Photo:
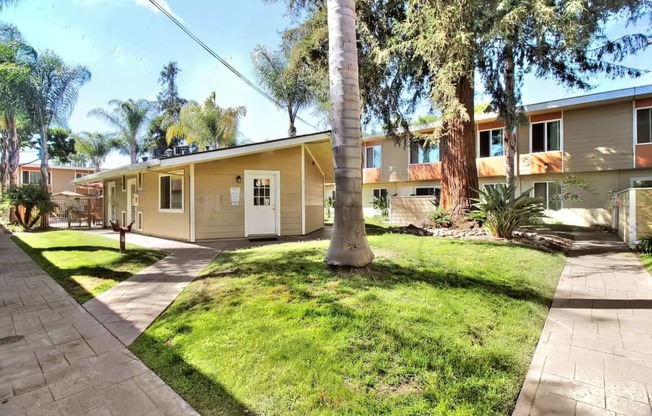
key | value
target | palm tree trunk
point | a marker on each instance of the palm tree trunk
(13, 150)
(510, 117)
(348, 247)
(292, 130)
(459, 172)
(132, 151)
(45, 157)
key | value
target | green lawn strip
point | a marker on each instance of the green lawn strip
(85, 264)
(646, 259)
(437, 326)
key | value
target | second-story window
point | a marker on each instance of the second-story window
(644, 125)
(372, 157)
(419, 153)
(491, 143)
(546, 136)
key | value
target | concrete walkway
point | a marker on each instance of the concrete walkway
(128, 308)
(65, 362)
(595, 353)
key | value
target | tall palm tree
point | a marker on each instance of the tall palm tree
(54, 90)
(207, 125)
(348, 247)
(94, 146)
(283, 82)
(131, 119)
(16, 61)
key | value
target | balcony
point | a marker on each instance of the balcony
(424, 172)
(490, 166)
(371, 175)
(540, 163)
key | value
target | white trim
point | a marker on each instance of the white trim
(114, 173)
(192, 203)
(561, 141)
(547, 201)
(277, 196)
(130, 197)
(183, 194)
(590, 98)
(638, 178)
(303, 189)
(140, 178)
(635, 133)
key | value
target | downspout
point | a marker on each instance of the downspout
(192, 203)
(303, 189)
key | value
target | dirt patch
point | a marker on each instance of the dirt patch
(410, 229)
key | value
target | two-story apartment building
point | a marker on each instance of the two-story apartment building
(604, 138)
(60, 178)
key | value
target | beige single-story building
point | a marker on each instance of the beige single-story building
(260, 189)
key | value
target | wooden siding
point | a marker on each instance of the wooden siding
(491, 166)
(394, 166)
(405, 210)
(490, 126)
(216, 218)
(175, 225)
(314, 189)
(598, 138)
(424, 172)
(647, 102)
(371, 175)
(556, 115)
(538, 162)
(644, 155)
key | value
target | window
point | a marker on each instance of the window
(124, 183)
(491, 143)
(642, 182)
(140, 179)
(419, 153)
(424, 190)
(550, 192)
(380, 193)
(34, 177)
(546, 136)
(644, 125)
(171, 192)
(372, 157)
(262, 192)
(79, 175)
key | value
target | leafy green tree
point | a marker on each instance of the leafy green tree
(53, 94)
(129, 118)
(16, 61)
(207, 124)
(348, 247)
(169, 106)
(60, 145)
(285, 82)
(94, 146)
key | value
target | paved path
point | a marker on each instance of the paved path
(128, 308)
(67, 363)
(595, 353)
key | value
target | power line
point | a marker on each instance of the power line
(222, 61)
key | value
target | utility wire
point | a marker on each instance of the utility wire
(222, 61)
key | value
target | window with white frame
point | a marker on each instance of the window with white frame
(545, 136)
(171, 192)
(422, 152)
(550, 192)
(491, 143)
(642, 182)
(79, 175)
(424, 190)
(644, 125)
(372, 157)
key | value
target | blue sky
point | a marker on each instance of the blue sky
(125, 43)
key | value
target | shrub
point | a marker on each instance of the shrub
(502, 211)
(440, 218)
(34, 201)
(644, 245)
(381, 204)
(329, 203)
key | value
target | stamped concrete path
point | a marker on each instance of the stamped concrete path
(595, 353)
(67, 363)
(128, 308)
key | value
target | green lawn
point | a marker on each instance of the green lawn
(646, 259)
(85, 264)
(437, 326)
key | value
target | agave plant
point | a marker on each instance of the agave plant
(503, 212)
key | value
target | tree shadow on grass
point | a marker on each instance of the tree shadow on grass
(64, 276)
(204, 394)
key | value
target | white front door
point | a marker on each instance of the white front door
(261, 203)
(131, 207)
